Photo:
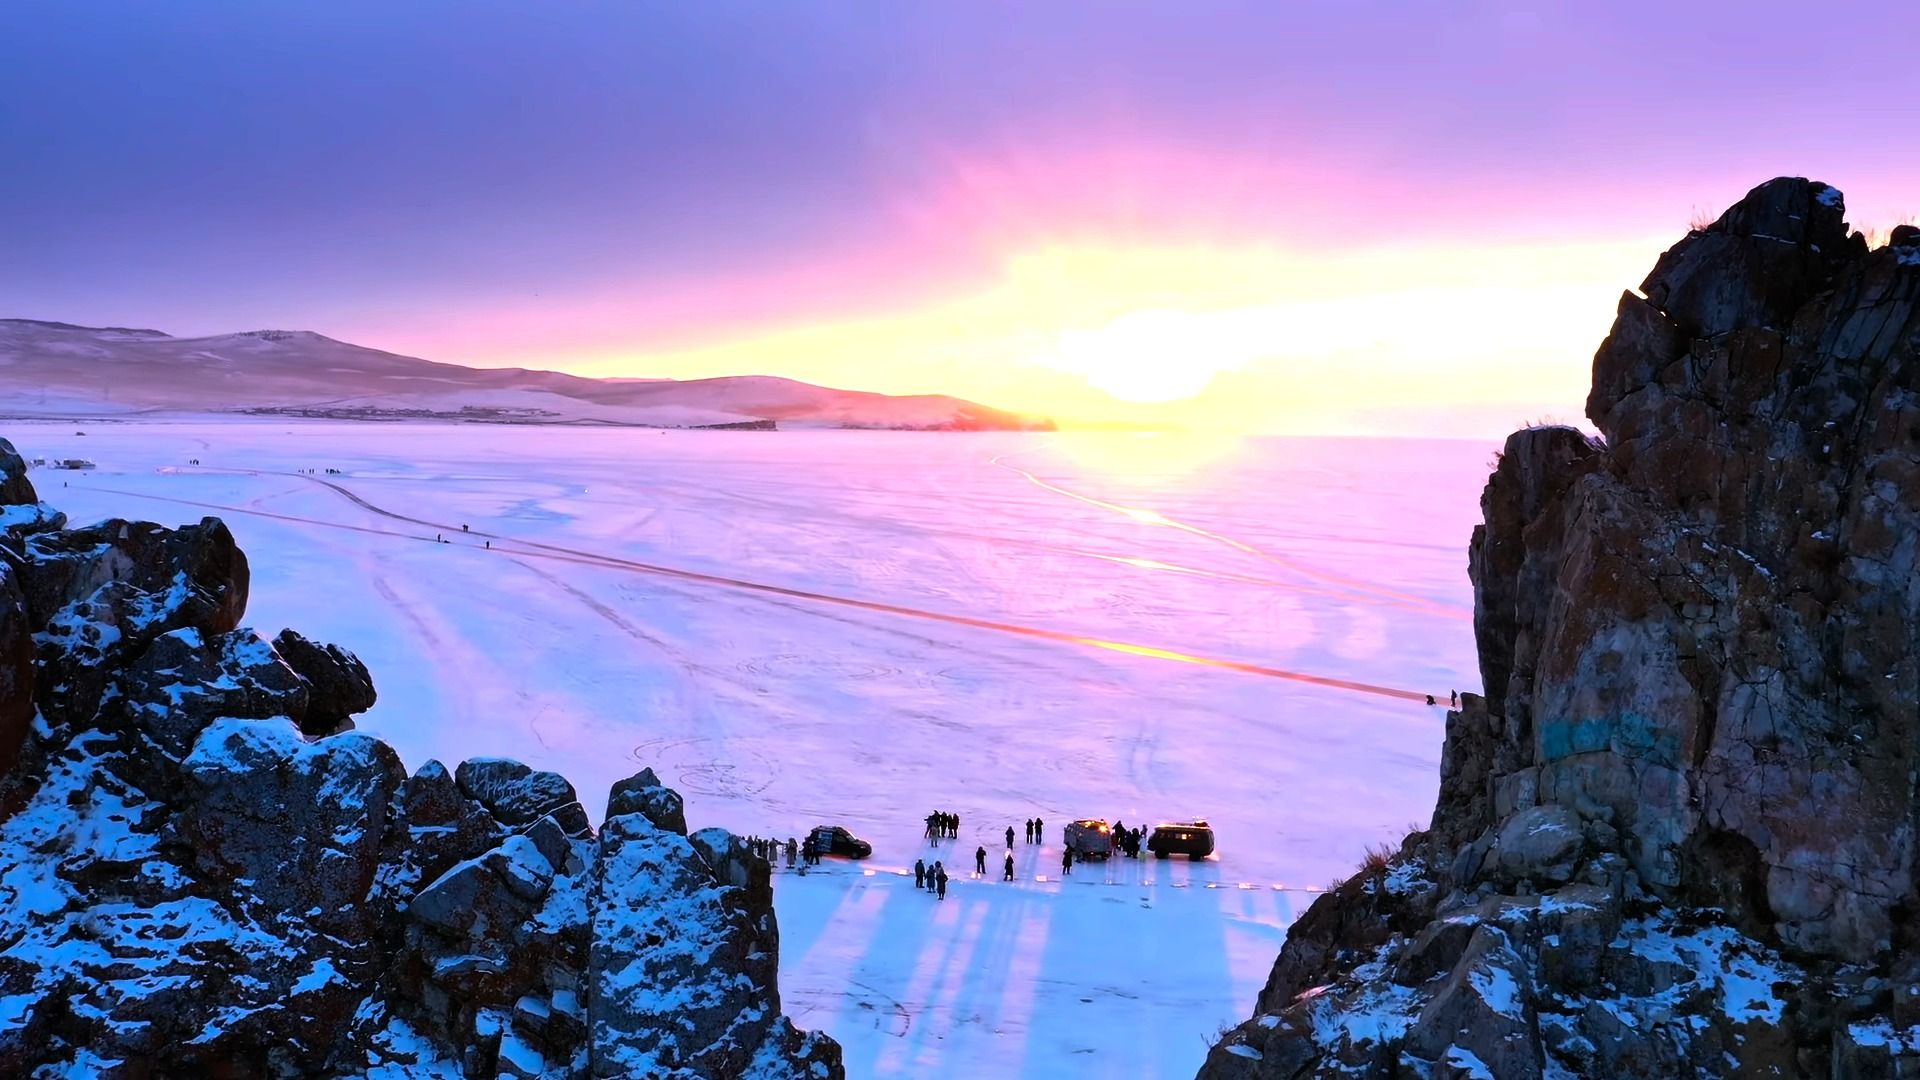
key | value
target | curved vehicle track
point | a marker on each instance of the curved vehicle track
(566, 554)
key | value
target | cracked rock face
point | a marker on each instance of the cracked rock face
(1677, 835)
(205, 872)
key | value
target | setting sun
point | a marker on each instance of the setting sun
(1241, 338)
(1153, 356)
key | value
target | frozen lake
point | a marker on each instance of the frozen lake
(804, 627)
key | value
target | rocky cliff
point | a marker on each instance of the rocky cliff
(1677, 836)
(204, 871)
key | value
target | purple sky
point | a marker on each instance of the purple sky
(571, 184)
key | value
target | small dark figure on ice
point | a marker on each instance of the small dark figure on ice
(980, 860)
(1007, 874)
(940, 879)
(1009, 836)
(919, 873)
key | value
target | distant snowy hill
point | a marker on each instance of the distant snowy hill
(57, 369)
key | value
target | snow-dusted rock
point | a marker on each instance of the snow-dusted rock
(1539, 843)
(517, 795)
(1486, 1008)
(1682, 818)
(293, 825)
(183, 682)
(643, 793)
(193, 885)
(16, 489)
(680, 975)
(21, 512)
(200, 562)
(98, 596)
(338, 685)
(437, 827)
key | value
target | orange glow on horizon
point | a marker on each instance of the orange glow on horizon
(1433, 339)
(1216, 339)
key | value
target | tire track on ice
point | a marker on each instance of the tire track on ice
(589, 558)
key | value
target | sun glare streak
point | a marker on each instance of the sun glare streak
(1146, 516)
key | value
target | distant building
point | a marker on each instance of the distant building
(73, 463)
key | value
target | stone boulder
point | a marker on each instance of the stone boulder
(643, 793)
(517, 795)
(96, 597)
(200, 563)
(338, 684)
(183, 682)
(1540, 843)
(16, 489)
(298, 825)
(438, 826)
(677, 983)
(1484, 1012)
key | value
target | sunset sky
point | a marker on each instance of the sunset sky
(1325, 217)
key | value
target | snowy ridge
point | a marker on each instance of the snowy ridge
(57, 369)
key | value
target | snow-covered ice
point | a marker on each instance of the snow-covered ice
(803, 627)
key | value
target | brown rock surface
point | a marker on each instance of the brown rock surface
(1677, 835)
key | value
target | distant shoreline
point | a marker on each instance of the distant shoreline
(473, 416)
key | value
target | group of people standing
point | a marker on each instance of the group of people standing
(1034, 825)
(1127, 841)
(942, 825)
(805, 852)
(769, 848)
(980, 859)
(935, 877)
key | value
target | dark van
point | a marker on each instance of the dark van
(1194, 839)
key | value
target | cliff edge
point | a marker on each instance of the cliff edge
(1677, 836)
(204, 871)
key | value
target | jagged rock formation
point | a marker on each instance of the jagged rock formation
(1677, 836)
(205, 872)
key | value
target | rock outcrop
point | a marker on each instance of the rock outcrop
(205, 872)
(1678, 834)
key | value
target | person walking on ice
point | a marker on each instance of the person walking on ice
(919, 873)
(1066, 861)
(1009, 838)
(980, 860)
(940, 879)
(1007, 874)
